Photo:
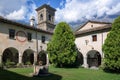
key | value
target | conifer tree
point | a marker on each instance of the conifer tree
(111, 48)
(61, 48)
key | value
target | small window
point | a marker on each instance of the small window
(29, 36)
(11, 33)
(49, 17)
(43, 39)
(41, 16)
(94, 37)
(86, 42)
(91, 25)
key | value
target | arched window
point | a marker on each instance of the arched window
(41, 16)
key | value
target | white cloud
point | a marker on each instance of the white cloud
(17, 15)
(17, 9)
(79, 10)
(30, 11)
(62, 3)
(70, 11)
(114, 10)
(7, 6)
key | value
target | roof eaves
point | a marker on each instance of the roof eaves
(45, 6)
(100, 22)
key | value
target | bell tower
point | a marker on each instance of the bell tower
(46, 17)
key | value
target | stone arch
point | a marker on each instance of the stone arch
(79, 58)
(10, 54)
(42, 57)
(28, 57)
(93, 58)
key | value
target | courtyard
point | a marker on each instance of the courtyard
(58, 74)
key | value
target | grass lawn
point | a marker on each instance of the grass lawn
(58, 74)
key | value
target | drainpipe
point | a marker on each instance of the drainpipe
(102, 56)
(102, 44)
(36, 42)
(36, 53)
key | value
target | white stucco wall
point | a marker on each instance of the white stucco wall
(6, 42)
(81, 39)
(96, 45)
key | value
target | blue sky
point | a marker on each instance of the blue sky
(74, 12)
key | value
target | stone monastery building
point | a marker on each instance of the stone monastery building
(89, 40)
(25, 44)
(22, 43)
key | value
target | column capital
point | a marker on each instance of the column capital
(20, 55)
(85, 56)
(35, 52)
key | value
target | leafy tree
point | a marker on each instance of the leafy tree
(61, 48)
(111, 48)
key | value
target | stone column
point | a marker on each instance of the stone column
(36, 66)
(20, 58)
(35, 57)
(0, 58)
(85, 62)
(47, 59)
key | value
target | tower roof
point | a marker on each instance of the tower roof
(45, 6)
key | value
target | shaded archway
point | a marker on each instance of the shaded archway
(10, 55)
(79, 59)
(28, 57)
(42, 58)
(93, 58)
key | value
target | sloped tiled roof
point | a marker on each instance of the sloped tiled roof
(94, 29)
(45, 6)
(4, 20)
(99, 22)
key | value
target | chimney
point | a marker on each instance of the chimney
(32, 21)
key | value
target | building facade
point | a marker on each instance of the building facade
(22, 43)
(25, 44)
(89, 40)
